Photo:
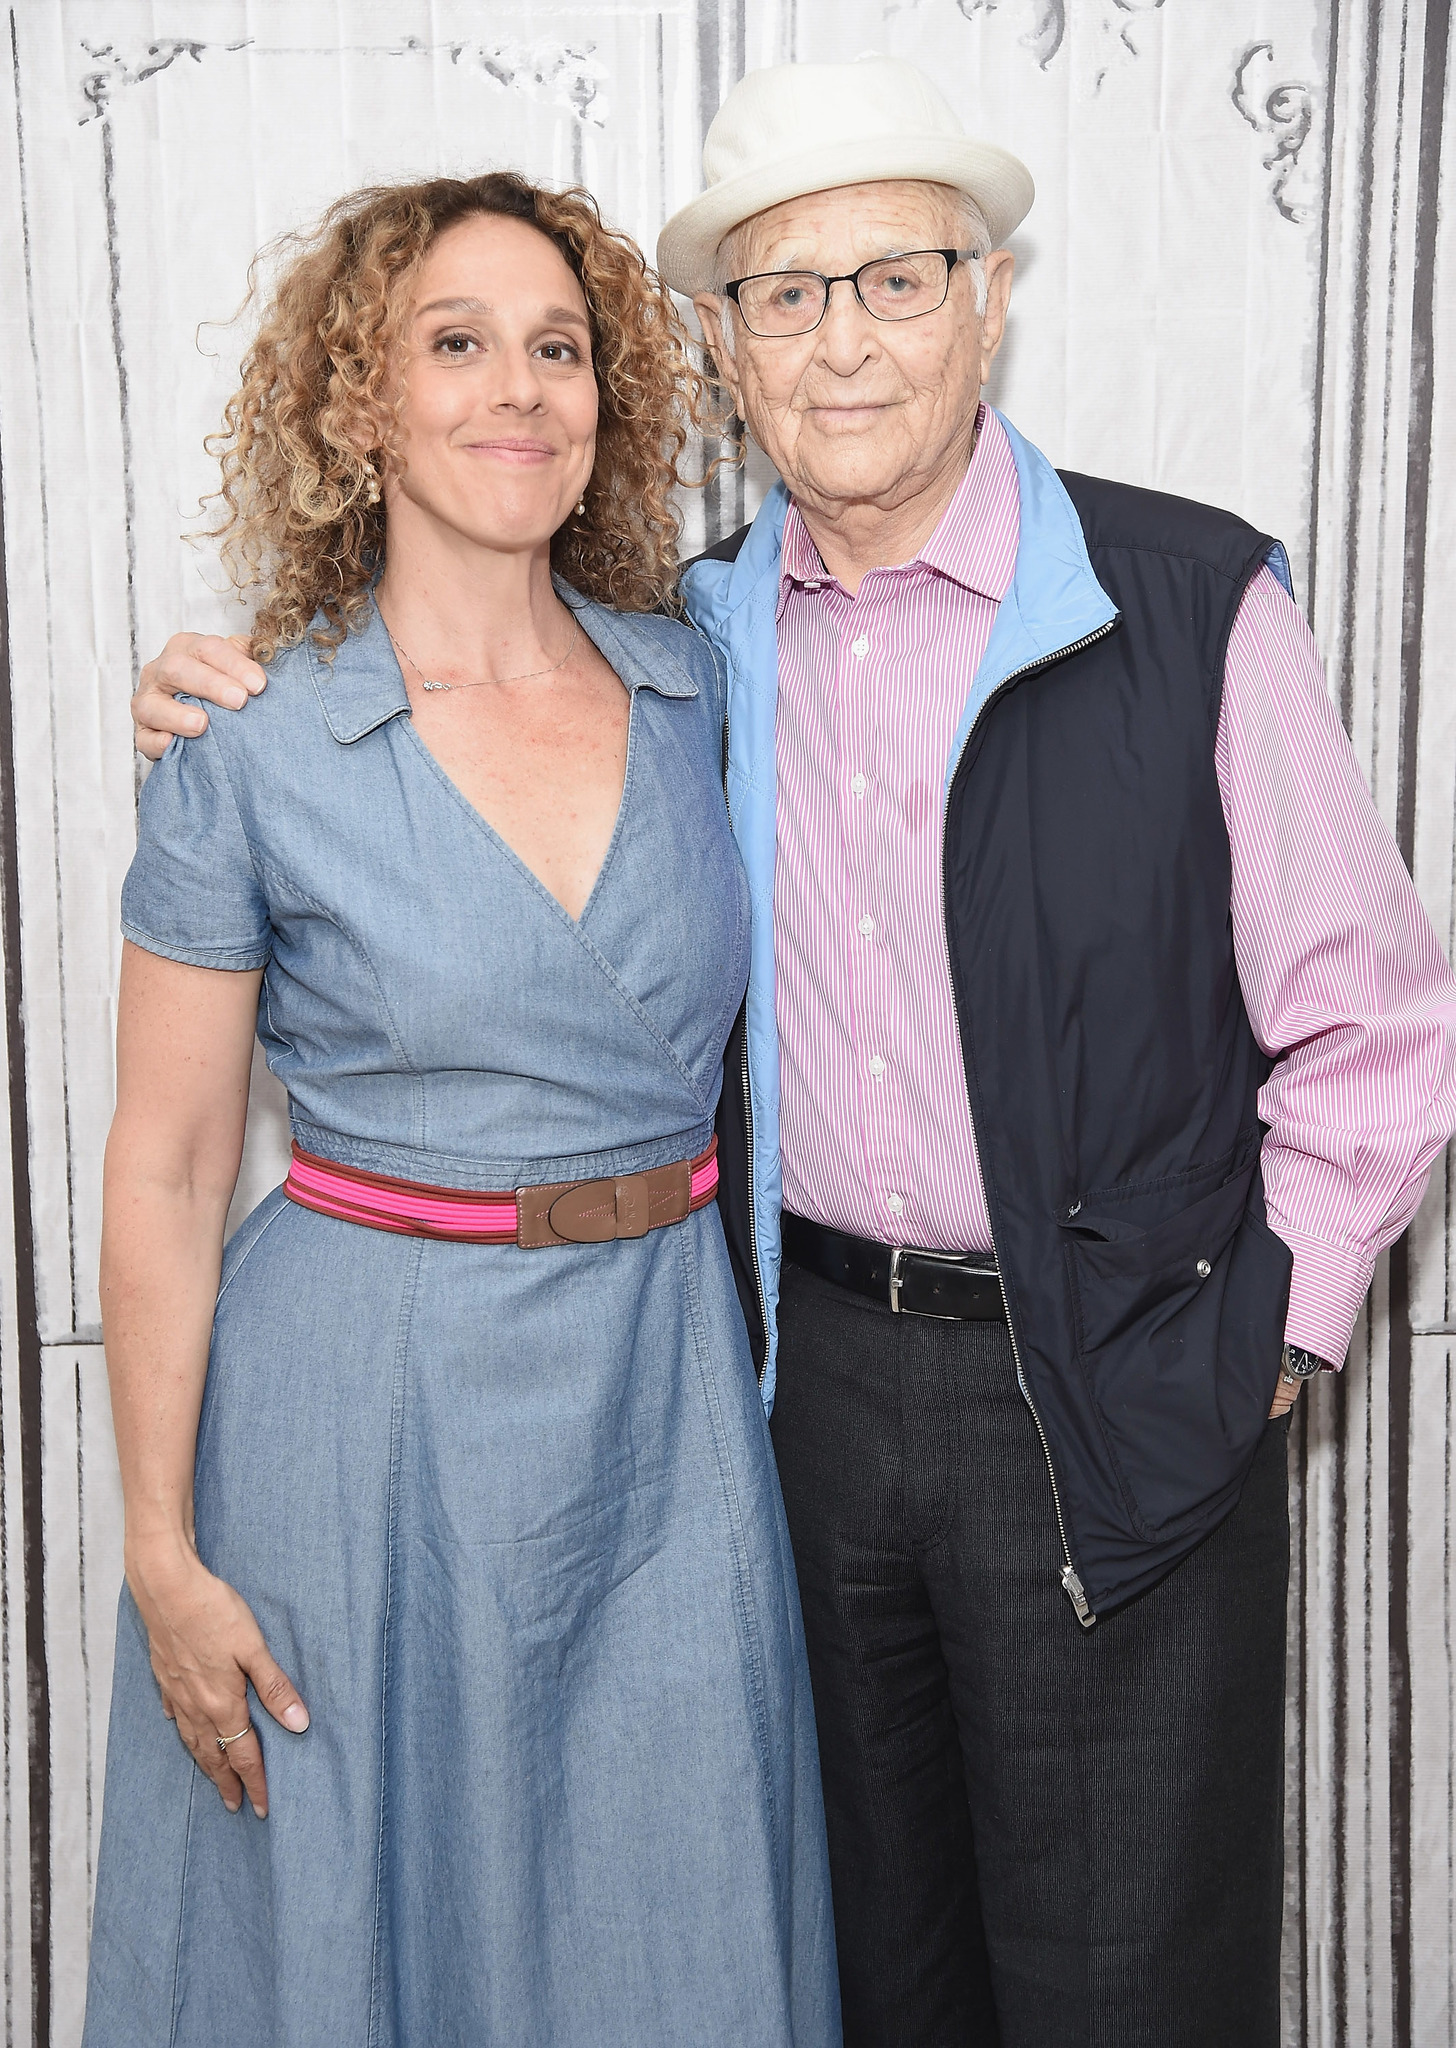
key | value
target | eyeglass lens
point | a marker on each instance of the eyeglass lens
(895, 288)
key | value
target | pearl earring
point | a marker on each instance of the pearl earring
(371, 492)
(580, 507)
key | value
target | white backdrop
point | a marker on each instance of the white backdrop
(1231, 286)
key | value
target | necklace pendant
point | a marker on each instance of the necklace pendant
(427, 684)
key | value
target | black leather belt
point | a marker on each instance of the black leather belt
(960, 1287)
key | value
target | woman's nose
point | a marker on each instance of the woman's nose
(515, 381)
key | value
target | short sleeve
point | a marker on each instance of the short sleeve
(192, 893)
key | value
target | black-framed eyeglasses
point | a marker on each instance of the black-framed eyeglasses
(781, 302)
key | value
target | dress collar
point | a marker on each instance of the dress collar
(362, 686)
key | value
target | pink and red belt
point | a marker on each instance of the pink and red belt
(564, 1212)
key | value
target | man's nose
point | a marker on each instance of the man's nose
(847, 331)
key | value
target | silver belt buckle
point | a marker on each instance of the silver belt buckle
(900, 1252)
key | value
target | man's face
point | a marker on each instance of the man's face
(862, 410)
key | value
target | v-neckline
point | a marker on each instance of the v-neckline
(361, 688)
(498, 838)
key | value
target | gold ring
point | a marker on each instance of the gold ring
(224, 1740)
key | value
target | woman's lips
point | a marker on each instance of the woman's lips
(514, 451)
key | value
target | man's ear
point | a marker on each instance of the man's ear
(1000, 266)
(712, 311)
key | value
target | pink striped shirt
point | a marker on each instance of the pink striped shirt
(1343, 977)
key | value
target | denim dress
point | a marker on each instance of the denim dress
(508, 1518)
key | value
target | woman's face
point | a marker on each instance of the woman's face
(497, 433)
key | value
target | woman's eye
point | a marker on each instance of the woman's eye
(560, 352)
(456, 344)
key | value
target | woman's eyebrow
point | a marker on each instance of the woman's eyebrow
(552, 315)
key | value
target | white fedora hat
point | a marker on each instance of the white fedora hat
(799, 128)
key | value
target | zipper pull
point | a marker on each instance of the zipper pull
(1072, 1587)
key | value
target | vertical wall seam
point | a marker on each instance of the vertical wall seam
(1338, 1920)
(1322, 318)
(1427, 157)
(720, 53)
(43, 506)
(1361, 201)
(1398, 1671)
(1301, 1720)
(84, 1631)
(123, 385)
(38, 1697)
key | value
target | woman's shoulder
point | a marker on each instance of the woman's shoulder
(240, 745)
(311, 692)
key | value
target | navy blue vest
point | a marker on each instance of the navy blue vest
(1112, 1071)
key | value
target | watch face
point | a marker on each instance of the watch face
(1303, 1364)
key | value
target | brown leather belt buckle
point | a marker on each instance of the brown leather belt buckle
(598, 1211)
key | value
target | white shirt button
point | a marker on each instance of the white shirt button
(896, 1205)
(877, 1066)
(858, 784)
(859, 648)
(867, 925)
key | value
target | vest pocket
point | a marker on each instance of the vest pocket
(1179, 1322)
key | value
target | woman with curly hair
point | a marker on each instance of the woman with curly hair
(459, 1440)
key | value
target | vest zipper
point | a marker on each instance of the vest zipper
(1071, 1584)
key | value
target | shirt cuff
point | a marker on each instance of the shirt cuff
(1326, 1293)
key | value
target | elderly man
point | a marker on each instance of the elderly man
(1095, 1044)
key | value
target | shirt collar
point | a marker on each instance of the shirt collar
(974, 543)
(362, 686)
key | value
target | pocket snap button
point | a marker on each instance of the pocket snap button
(1204, 1269)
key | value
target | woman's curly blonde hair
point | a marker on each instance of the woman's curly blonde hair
(308, 431)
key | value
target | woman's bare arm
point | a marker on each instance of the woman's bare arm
(184, 1049)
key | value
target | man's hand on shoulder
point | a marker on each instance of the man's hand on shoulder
(197, 665)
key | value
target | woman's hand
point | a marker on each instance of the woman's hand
(206, 1648)
(199, 665)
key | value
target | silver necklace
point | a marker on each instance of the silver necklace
(434, 682)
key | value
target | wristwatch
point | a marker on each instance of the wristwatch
(1300, 1365)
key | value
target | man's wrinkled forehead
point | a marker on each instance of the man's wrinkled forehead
(849, 221)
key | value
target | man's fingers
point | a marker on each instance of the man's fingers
(1284, 1399)
(189, 671)
(208, 666)
(157, 715)
(196, 665)
(276, 1690)
(220, 670)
